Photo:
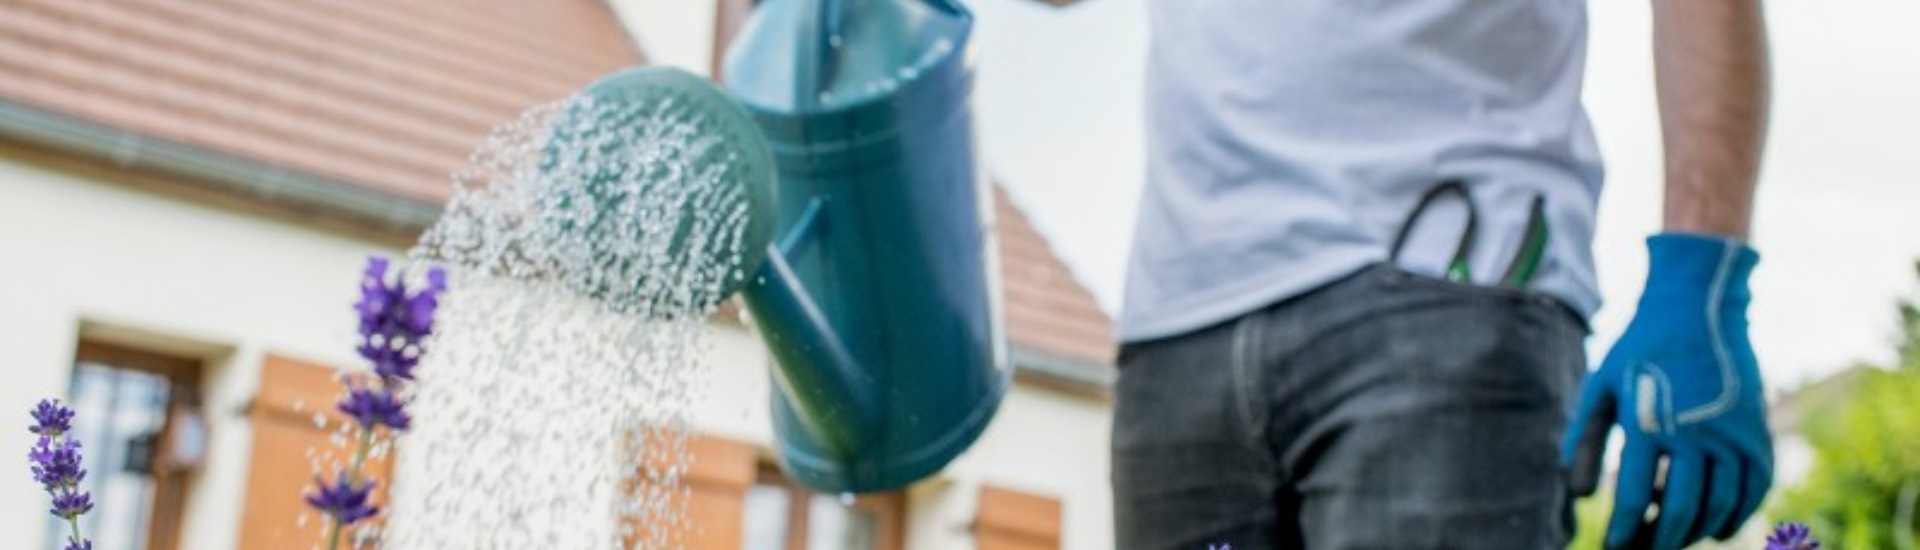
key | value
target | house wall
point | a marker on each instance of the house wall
(186, 278)
(81, 252)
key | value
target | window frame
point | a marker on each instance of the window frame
(889, 510)
(167, 503)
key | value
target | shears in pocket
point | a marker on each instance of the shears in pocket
(1520, 268)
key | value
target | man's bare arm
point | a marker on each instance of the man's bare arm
(1710, 60)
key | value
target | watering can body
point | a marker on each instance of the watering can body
(878, 292)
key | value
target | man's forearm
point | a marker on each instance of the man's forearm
(1710, 59)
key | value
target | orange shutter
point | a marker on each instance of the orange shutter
(286, 445)
(719, 472)
(1013, 520)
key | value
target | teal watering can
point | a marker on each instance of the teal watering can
(869, 272)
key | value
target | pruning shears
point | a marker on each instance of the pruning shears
(1520, 269)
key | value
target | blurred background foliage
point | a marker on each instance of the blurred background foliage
(1865, 483)
(1862, 491)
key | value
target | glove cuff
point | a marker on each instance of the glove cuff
(1688, 266)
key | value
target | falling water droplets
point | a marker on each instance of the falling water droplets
(564, 356)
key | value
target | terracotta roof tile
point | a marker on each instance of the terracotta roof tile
(1046, 308)
(391, 96)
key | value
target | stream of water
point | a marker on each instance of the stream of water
(550, 411)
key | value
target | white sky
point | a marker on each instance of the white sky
(1059, 107)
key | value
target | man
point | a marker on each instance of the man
(1355, 310)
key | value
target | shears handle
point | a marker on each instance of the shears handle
(1458, 270)
(1520, 270)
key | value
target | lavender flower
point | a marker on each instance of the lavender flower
(56, 465)
(55, 459)
(70, 503)
(344, 501)
(373, 407)
(394, 364)
(50, 419)
(1792, 536)
(394, 320)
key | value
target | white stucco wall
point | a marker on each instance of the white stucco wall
(231, 287)
(1040, 441)
(76, 251)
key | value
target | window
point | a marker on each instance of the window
(781, 515)
(138, 418)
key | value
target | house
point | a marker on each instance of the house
(187, 192)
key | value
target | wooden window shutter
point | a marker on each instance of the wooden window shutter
(1015, 520)
(283, 416)
(719, 472)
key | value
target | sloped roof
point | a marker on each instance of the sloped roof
(1047, 309)
(390, 96)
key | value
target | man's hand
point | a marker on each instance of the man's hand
(1682, 381)
(1684, 385)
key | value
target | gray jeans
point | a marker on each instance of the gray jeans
(1384, 411)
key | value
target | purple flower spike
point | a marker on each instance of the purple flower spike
(343, 501)
(70, 503)
(51, 419)
(1792, 536)
(374, 297)
(55, 461)
(56, 465)
(375, 407)
(422, 304)
(393, 365)
(395, 321)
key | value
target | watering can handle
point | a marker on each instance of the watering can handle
(949, 6)
(819, 35)
(814, 65)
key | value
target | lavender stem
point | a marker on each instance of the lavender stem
(353, 478)
(72, 521)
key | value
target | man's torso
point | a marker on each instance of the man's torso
(1287, 140)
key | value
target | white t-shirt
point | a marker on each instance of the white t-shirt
(1287, 140)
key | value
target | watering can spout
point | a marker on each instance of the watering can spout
(833, 396)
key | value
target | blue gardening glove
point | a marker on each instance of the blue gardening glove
(1683, 384)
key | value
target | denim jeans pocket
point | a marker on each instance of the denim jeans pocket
(1529, 298)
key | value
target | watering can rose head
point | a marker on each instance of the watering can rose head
(654, 185)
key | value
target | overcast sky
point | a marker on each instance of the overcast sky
(1838, 228)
